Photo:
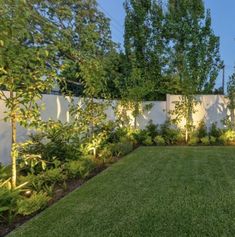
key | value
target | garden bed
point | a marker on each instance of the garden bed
(59, 193)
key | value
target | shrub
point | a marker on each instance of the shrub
(105, 153)
(49, 177)
(121, 149)
(8, 204)
(117, 134)
(170, 134)
(205, 141)
(139, 136)
(159, 140)
(152, 129)
(227, 137)
(53, 176)
(214, 131)
(213, 140)
(36, 182)
(193, 141)
(148, 141)
(35, 202)
(4, 172)
(202, 130)
(78, 168)
(58, 142)
(180, 138)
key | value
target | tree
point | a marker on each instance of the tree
(145, 43)
(231, 96)
(194, 51)
(195, 48)
(82, 38)
(142, 52)
(26, 68)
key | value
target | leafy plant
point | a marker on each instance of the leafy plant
(139, 136)
(227, 137)
(213, 140)
(121, 149)
(148, 141)
(8, 204)
(78, 168)
(37, 201)
(105, 153)
(194, 140)
(202, 130)
(205, 140)
(152, 129)
(53, 176)
(214, 131)
(170, 134)
(159, 140)
(116, 134)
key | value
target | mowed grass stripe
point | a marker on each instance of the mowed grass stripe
(155, 191)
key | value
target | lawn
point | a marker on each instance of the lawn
(154, 191)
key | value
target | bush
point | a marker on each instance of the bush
(205, 141)
(8, 204)
(201, 130)
(117, 134)
(227, 137)
(180, 138)
(53, 176)
(213, 140)
(148, 141)
(35, 202)
(78, 168)
(159, 140)
(105, 153)
(193, 141)
(58, 142)
(171, 135)
(139, 136)
(214, 131)
(121, 149)
(49, 177)
(152, 129)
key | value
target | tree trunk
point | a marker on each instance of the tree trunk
(135, 122)
(232, 118)
(13, 144)
(232, 114)
(136, 113)
(186, 135)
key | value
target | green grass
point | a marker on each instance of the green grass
(155, 191)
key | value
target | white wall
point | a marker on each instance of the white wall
(213, 108)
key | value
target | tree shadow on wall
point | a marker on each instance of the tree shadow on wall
(216, 112)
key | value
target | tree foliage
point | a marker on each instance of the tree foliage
(195, 54)
(231, 96)
(26, 66)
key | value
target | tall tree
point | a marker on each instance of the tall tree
(194, 46)
(231, 96)
(194, 52)
(83, 39)
(145, 44)
(26, 67)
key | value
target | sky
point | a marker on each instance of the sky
(223, 19)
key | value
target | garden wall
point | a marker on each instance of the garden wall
(213, 108)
